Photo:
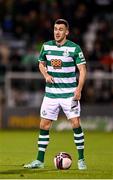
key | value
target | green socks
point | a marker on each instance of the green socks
(43, 141)
(79, 141)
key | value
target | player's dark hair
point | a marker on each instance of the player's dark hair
(62, 21)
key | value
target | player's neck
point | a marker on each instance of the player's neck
(61, 43)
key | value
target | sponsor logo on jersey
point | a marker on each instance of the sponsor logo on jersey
(56, 63)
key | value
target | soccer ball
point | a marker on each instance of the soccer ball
(62, 160)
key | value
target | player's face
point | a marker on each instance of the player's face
(60, 32)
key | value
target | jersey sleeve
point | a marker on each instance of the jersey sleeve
(79, 56)
(42, 56)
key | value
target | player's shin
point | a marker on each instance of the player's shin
(43, 141)
(79, 141)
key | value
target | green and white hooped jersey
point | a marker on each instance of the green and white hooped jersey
(61, 63)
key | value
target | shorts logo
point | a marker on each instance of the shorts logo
(44, 113)
(76, 111)
(56, 63)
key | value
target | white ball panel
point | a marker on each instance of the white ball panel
(66, 163)
(55, 162)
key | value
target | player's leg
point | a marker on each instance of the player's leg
(49, 113)
(43, 141)
(72, 110)
(79, 141)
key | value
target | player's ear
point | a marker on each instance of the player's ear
(67, 32)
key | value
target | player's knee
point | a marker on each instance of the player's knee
(45, 124)
(75, 122)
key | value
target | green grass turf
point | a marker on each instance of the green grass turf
(19, 147)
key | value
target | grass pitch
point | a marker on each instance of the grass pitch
(19, 147)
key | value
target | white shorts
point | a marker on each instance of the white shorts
(50, 108)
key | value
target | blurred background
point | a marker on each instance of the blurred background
(24, 26)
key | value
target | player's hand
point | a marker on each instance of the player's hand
(77, 94)
(49, 79)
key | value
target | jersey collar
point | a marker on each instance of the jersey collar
(62, 44)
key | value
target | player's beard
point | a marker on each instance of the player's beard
(60, 40)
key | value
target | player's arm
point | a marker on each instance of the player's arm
(42, 66)
(43, 70)
(81, 81)
(81, 64)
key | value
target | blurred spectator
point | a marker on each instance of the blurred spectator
(4, 54)
(29, 59)
(81, 17)
(94, 56)
(107, 61)
(7, 23)
(15, 61)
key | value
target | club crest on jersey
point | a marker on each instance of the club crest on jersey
(66, 53)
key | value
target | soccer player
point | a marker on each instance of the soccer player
(58, 60)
